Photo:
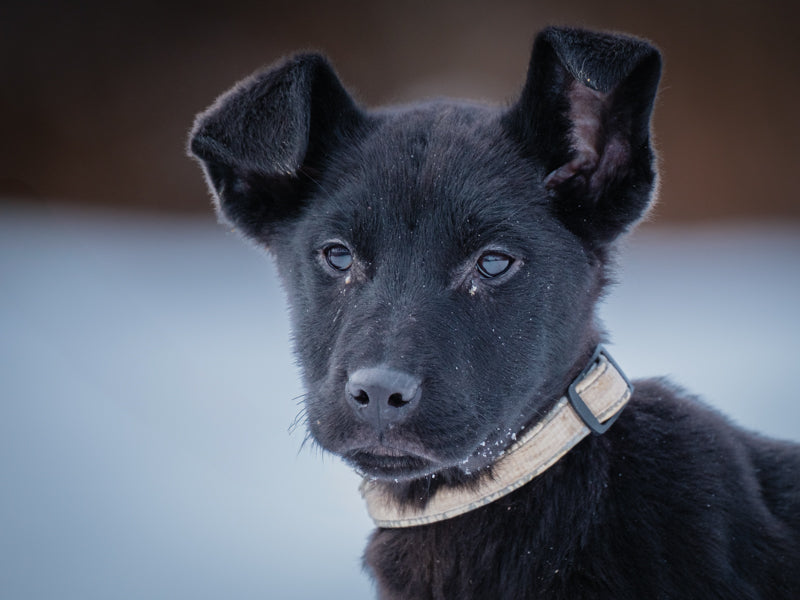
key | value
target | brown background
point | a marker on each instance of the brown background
(97, 98)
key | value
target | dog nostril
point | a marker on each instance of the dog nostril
(382, 396)
(396, 401)
(361, 398)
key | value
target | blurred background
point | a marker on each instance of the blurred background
(147, 389)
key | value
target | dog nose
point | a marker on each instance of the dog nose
(382, 396)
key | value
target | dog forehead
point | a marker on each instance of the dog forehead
(436, 143)
(434, 164)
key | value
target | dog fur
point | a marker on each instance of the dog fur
(461, 249)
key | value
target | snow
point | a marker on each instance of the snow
(147, 390)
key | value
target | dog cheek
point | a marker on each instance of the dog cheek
(465, 374)
(531, 325)
(315, 302)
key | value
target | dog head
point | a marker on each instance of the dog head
(443, 260)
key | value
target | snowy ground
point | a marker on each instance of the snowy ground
(146, 391)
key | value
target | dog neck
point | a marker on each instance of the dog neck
(593, 402)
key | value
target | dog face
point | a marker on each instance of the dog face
(442, 261)
(421, 257)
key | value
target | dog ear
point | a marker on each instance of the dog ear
(584, 114)
(262, 142)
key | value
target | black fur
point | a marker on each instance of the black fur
(413, 203)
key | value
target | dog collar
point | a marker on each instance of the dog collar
(593, 402)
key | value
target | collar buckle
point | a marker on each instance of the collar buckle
(581, 408)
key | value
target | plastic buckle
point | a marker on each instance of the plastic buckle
(584, 412)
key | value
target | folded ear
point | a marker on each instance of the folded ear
(584, 114)
(261, 143)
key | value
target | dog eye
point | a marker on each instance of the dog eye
(492, 264)
(338, 257)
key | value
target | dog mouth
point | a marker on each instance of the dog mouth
(388, 463)
(382, 462)
(402, 464)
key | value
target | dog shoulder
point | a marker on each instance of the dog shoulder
(685, 435)
(701, 483)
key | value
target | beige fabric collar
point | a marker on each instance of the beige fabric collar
(595, 399)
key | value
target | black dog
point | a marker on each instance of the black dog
(442, 263)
